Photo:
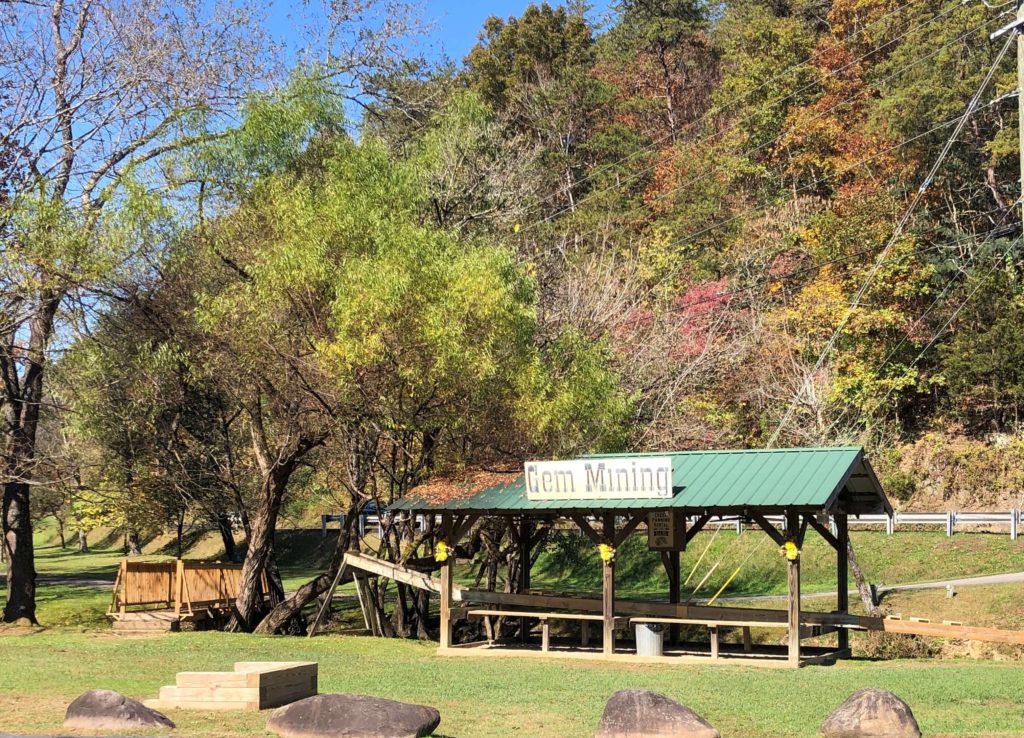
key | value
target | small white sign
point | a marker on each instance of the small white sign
(663, 531)
(613, 478)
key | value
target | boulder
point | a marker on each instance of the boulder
(104, 709)
(640, 713)
(871, 713)
(352, 716)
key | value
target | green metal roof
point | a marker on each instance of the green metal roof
(760, 480)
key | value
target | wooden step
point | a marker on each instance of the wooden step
(213, 679)
(252, 685)
(164, 705)
(206, 694)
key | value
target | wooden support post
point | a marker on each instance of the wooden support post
(842, 577)
(748, 644)
(545, 634)
(525, 537)
(446, 582)
(608, 589)
(584, 633)
(672, 568)
(793, 590)
(713, 630)
(363, 608)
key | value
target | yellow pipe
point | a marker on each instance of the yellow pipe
(731, 577)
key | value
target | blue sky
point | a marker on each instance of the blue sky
(454, 23)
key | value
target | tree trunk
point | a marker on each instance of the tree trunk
(291, 607)
(22, 420)
(60, 532)
(131, 541)
(83, 541)
(227, 536)
(862, 586)
(259, 549)
(21, 570)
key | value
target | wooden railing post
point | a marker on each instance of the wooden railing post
(179, 585)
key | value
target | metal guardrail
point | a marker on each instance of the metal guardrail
(1013, 520)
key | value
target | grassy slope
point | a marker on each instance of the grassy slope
(487, 697)
(902, 558)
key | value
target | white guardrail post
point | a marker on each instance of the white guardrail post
(950, 522)
(1014, 520)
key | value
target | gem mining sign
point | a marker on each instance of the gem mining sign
(615, 478)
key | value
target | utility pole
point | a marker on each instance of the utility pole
(1020, 99)
(1017, 26)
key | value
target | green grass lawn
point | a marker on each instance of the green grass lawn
(498, 696)
(503, 696)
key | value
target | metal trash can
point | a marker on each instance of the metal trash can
(650, 639)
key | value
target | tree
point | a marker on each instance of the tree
(103, 88)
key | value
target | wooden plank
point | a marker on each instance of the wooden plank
(211, 679)
(587, 528)
(394, 571)
(698, 526)
(164, 705)
(939, 630)
(824, 532)
(219, 694)
(774, 533)
(711, 623)
(627, 529)
(534, 614)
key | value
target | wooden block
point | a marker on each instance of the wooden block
(206, 694)
(212, 679)
(201, 705)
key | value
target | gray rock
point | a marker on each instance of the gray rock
(352, 716)
(871, 713)
(104, 709)
(640, 713)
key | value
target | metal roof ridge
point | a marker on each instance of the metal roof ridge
(692, 452)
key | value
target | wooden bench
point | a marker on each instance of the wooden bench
(746, 625)
(544, 617)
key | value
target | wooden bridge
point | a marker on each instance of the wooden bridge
(160, 595)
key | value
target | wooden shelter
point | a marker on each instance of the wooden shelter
(675, 495)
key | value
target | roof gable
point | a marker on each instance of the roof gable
(821, 479)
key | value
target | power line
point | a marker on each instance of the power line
(898, 231)
(866, 412)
